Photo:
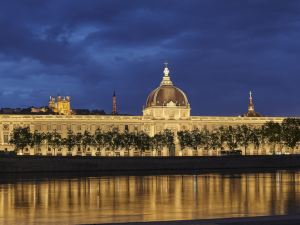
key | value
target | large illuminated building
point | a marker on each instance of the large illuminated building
(167, 107)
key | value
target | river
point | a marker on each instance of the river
(100, 199)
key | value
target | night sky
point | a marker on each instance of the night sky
(217, 50)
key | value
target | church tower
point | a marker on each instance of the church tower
(251, 112)
(251, 105)
(114, 104)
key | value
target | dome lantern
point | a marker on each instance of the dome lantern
(166, 78)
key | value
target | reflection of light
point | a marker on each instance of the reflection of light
(278, 177)
(113, 199)
(195, 184)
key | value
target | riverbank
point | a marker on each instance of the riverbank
(261, 220)
(28, 164)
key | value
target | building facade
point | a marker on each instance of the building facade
(167, 107)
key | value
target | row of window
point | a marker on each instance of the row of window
(78, 128)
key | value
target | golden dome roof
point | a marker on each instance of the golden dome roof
(167, 94)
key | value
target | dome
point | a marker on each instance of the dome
(167, 94)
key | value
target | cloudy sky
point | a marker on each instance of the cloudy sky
(217, 51)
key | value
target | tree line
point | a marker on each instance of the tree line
(22, 138)
(285, 134)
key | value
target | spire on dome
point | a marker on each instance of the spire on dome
(166, 78)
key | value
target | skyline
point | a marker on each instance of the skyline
(217, 52)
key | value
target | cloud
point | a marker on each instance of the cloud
(217, 50)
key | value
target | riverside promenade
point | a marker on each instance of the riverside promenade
(27, 164)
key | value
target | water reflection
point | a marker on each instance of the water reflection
(144, 198)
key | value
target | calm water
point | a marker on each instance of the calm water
(147, 198)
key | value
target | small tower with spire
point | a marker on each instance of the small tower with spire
(114, 104)
(251, 105)
(251, 112)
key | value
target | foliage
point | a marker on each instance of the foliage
(168, 140)
(70, 141)
(54, 140)
(272, 133)
(21, 138)
(37, 139)
(87, 140)
(291, 132)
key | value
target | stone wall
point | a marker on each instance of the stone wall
(21, 164)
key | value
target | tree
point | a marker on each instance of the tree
(197, 139)
(99, 140)
(291, 132)
(37, 140)
(184, 137)
(116, 140)
(169, 141)
(158, 141)
(87, 140)
(21, 138)
(246, 136)
(272, 133)
(215, 140)
(54, 140)
(232, 137)
(69, 141)
(256, 137)
(142, 141)
(107, 140)
(205, 139)
(78, 141)
(127, 141)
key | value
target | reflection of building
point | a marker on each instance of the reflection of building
(60, 105)
(167, 107)
(149, 198)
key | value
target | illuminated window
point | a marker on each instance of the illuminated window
(5, 139)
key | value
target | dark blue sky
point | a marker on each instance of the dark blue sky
(217, 51)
